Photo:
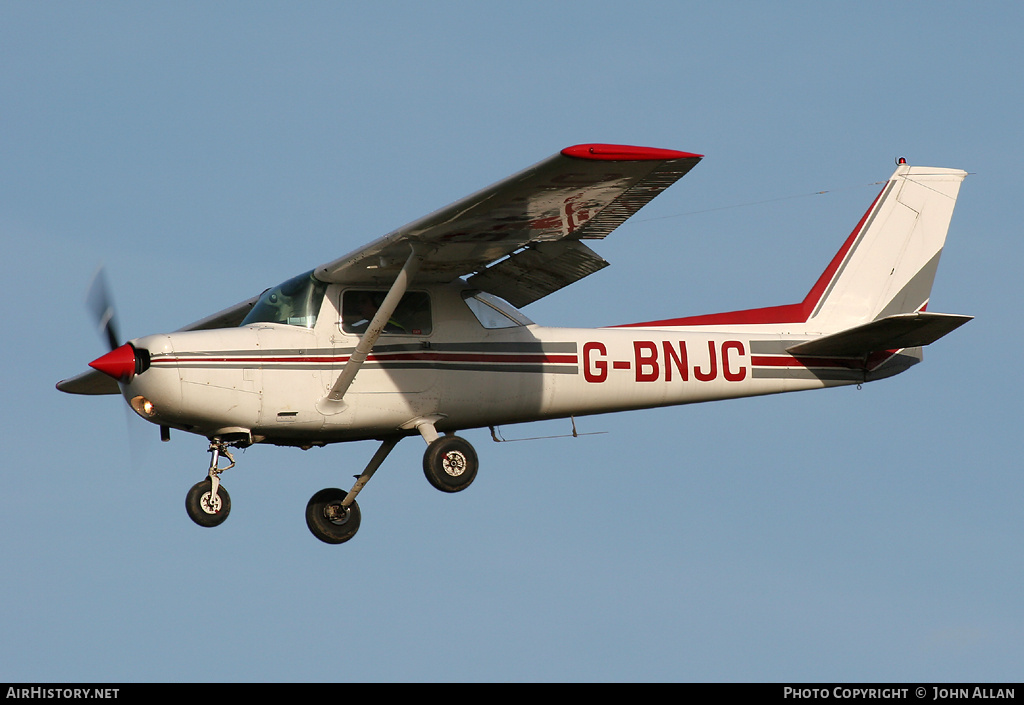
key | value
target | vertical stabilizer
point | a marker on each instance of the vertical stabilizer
(888, 263)
(885, 267)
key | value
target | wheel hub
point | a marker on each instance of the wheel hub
(454, 463)
(336, 514)
(211, 504)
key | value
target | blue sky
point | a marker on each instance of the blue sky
(205, 151)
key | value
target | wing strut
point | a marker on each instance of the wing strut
(333, 403)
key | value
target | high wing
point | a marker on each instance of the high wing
(520, 238)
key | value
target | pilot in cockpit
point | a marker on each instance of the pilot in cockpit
(359, 309)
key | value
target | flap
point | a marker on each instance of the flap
(538, 270)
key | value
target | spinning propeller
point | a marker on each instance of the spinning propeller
(123, 361)
(98, 300)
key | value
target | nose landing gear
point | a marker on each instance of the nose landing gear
(207, 503)
(206, 506)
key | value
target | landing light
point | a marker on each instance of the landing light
(143, 407)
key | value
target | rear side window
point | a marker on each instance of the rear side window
(493, 312)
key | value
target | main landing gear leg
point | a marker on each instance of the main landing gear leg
(450, 462)
(332, 515)
(207, 503)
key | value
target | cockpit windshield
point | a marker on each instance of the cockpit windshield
(294, 303)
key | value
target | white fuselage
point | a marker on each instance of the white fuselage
(267, 379)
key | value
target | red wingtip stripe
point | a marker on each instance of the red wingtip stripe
(622, 152)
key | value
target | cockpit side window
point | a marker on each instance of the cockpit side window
(411, 317)
(493, 312)
(294, 303)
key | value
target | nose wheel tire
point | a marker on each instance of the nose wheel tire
(204, 508)
(450, 463)
(328, 520)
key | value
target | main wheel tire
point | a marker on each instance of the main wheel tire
(450, 464)
(203, 508)
(326, 518)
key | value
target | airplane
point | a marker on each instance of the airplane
(420, 333)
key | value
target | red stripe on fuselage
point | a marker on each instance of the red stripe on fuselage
(473, 357)
(426, 356)
(790, 361)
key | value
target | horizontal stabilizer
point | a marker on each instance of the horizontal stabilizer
(902, 330)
